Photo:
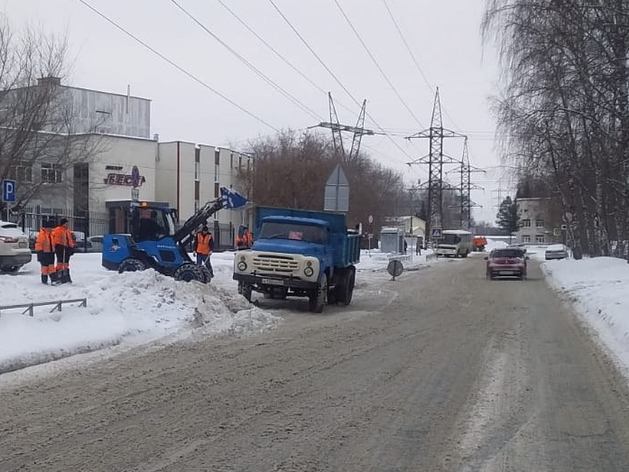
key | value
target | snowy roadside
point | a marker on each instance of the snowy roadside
(119, 307)
(597, 289)
(138, 308)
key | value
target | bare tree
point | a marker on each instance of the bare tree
(37, 116)
(564, 112)
(291, 170)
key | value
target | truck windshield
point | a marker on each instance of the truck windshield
(296, 232)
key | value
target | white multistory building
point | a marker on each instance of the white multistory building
(116, 128)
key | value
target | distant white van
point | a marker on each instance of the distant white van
(455, 243)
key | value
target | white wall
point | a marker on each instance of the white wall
(166, 174)
(121, 152)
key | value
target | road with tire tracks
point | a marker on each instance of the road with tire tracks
(454, 373)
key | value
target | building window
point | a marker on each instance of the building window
(539, 223)
(215, 173)
(197, 155)
(216, 190)
(196, 206)
(197, 171)
(231, 160)
(240, 162)
(22, 173)
(526, 238)
(539, 238)
(196, 190)
(217, 157)
(526, 223)
(51, 173)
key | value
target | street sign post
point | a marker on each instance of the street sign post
(9, 190)
(336, 196)
(395, 268)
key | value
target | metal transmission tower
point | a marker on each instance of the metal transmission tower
(435, 160)
(337, 129)
(466, 188)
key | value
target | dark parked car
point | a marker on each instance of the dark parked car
(506, 262)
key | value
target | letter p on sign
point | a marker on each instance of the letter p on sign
(9, 188)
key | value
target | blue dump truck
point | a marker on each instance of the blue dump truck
(299, 253)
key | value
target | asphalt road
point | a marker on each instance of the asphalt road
(456, 373)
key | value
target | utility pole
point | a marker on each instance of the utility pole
(436, 159)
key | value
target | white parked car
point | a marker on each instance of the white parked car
(14, 250)
(96, 243)
(556, 251)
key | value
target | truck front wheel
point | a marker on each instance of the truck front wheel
(346, 290)
(319, 297)
(245, 290)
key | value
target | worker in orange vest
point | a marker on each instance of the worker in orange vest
(244, 240)
(45, 250)
(203, 245)
(64, 248)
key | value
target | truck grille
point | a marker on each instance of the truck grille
(275, 264)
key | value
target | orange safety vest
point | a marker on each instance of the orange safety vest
(62, 237)
(45, 241)
(203, 244)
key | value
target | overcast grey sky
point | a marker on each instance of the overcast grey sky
(443, 34)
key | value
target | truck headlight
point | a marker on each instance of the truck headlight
(242, 266)
(308, 271)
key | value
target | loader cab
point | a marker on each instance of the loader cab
(144, 238)
(151, 223)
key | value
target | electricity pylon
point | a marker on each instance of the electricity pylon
(436, 159)
(465, 170)
(337, 129)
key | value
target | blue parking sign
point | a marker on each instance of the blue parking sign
(9, 188)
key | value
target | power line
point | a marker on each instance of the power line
(415, 61)
(178, 67)
(332, 73)
(376, 63)
(277, 53)
(242, 59)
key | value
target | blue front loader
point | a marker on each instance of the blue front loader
(155, 244)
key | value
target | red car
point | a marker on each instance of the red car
(506, 262)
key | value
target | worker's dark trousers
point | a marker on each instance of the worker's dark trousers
(62, 268)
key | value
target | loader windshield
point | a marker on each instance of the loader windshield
(152, 224)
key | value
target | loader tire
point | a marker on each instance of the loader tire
(131, 265)
(208, 275)
(189, 272)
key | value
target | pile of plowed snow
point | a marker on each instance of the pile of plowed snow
(119, 306)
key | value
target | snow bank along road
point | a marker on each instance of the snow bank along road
(456, 373)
